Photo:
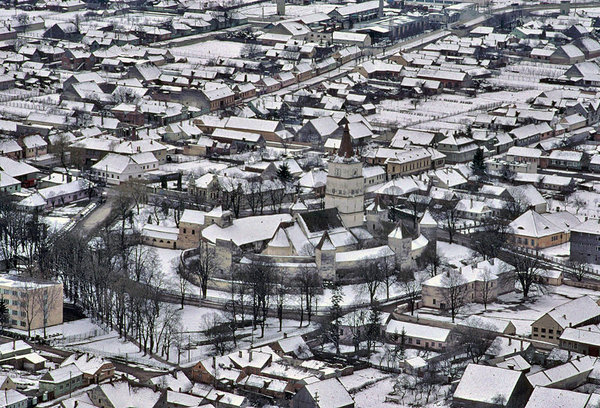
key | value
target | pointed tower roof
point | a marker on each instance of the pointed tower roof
(427, 219)
(345, 149)
(299, 205)
(325, 243)
(280, 239)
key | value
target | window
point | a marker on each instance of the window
(551, 331)
(434, 301)
(185, 230)
(543, 330)
(535, 329)
(418, 341)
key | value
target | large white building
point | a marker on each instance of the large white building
(345, 184)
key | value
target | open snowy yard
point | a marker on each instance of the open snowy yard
(210, 49)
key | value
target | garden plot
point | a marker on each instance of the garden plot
(210, 49)
(435, 111)
(512, 307)
(290, 10)
(527, 75)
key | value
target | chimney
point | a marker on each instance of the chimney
(509, 341)
(380, 9)
(521, 344)
(240, 354)
(215, 362)
(285, 335)
(250, 355)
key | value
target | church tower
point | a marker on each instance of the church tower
(345, 185)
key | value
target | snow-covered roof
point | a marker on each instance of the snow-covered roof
(64, 189)
(14, 168)
(543, 397)
(62, 374)
(193, 216)
(486, 384)
(121, 395)
(420, 331)
(176, 381)
(575, 312)
(247, 230)
(330, 394)
(364, 254)
(12, 398)
(532, 224)
(561, 373)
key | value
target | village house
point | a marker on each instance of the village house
(323, 394)
(480, 282)
(480, 384)
(417, 335)
(573, 314)
(116, 168)
(61, 381)
(94, 368)
(537, 231)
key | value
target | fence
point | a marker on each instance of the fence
(79, 337)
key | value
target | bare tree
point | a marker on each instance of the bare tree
(182, 278)
(454, 289)
(411, 285)
(448, 217)
(528, 271)
(476, 340)
(29, 307)
(203, 265)
(577, 201)
(413, 203)
(514, 207)
(309, 284)
(136, 189)
(218, 332)
(281, 295)
(232, 195)
(487, 281)
(372, 280)
(387, 273)
(261, 279)
(430, 260)
(60, 148)
(490, 238)
(576, 270)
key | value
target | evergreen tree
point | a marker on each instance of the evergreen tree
(335, 317)
(478, 164)
(373, 330)
(284, 174)
(4, 317)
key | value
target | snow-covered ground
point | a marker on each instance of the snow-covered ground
(267, 9)
(59, 217)
(427, 113)
(512, 307)
(210, 49)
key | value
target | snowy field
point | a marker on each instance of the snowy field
(210, 49)
(512, 307)
(267, 9)
(427, 113)
(527, 75)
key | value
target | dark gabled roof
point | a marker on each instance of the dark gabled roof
(322, 220)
